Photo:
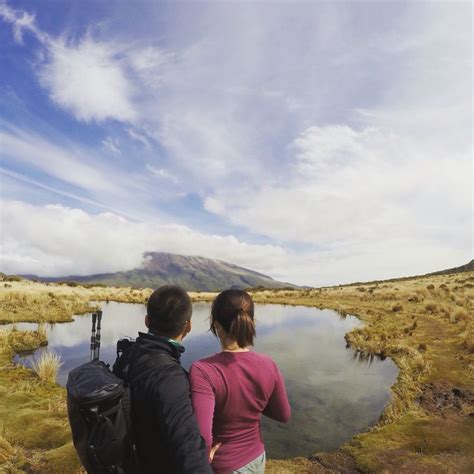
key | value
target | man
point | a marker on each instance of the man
(167, 435)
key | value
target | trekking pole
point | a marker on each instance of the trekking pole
(94, 317)
(97, 336)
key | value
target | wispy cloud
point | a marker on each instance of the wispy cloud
(68, 165)
(21, 20)
(76, 197)
(139, 137)
(111, 145)
(162, 173)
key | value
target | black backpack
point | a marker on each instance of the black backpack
(99, 411)
(99, 406)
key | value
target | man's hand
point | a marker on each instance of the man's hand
(213, 451)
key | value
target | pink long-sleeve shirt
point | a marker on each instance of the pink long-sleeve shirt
(230, 391)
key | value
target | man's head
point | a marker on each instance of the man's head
(169, 312)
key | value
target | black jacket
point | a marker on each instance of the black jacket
(166, 431)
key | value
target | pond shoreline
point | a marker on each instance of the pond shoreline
(350, 390)
(407, 321)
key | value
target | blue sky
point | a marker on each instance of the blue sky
(318, 142)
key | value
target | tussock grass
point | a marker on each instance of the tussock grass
(431, 307)
(7, 453)
(47, 365)
(38, 302)
(42, 331)
(4, 339)
(461, 316)
(13, 340)
(467, 337)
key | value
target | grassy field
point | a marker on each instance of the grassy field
(424, 324)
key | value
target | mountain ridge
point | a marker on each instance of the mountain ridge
(191, 272)
(468, 267)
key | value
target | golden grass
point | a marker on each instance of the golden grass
(424, 324)
(47, 365)
(25, 301)
(13, 340)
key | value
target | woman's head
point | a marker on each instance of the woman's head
(233, 310)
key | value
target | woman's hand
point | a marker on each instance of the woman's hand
(213, 451)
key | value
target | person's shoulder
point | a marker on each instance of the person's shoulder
(206, 362)
(263, 359)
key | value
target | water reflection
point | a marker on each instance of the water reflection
(334, 391)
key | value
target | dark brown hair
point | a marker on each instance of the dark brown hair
(169, 307)
(233, 309)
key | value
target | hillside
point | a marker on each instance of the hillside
(469, 267)
(192, 273)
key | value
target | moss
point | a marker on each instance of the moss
(63, 459)
(33, 428)
(414, 441)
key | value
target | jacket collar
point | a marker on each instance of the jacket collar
(149, 342)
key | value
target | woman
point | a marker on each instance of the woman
(231, 389)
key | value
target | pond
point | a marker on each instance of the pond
(334, 393)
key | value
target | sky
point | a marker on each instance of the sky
(317, 142)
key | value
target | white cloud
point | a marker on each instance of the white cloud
(89, 79)
(202, 146)
(351, 191)
(82, 243)
(349, 185)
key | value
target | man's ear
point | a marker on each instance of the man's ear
(187, 329)
(147, 321)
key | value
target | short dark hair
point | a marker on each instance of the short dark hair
(168, 308)
(234, 310)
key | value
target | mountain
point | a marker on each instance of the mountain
(192, 273)
(469, 267)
